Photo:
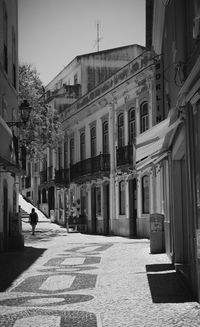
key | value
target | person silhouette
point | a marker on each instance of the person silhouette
(33, 220)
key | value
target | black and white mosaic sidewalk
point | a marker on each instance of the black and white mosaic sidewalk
(94, 281)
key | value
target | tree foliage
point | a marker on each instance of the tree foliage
(43, 128)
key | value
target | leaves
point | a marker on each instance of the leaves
(43, 128)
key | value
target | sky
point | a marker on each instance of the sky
(53, 32)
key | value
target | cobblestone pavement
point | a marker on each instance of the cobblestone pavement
(84, 280)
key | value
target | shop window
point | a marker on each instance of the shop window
(145, 194)
(144, 117)
(122, 198)
(131, 125)
(121, 130)
(98, 201)
(105, 138)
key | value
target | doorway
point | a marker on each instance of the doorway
(51, 199)
(93, 210)
(106, 208)
(133, 206)
(5, 217)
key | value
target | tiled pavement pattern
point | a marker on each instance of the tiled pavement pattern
(94, 281)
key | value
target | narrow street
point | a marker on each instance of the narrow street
(73, 279)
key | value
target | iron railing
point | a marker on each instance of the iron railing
(99, 164)
(125, 155)
(62, 176)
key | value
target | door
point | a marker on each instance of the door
(93, 209)
(51, 199)
(106, 208)
(133, 206)
(5, 217)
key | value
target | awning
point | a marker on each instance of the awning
(7, 148)
(152, 144)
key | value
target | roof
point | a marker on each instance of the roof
(95, 53)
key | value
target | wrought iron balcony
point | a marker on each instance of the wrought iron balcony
(91, 168)
(125, 156)
(62, 177)
(43, 176)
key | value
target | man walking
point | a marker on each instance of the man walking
(33, 220)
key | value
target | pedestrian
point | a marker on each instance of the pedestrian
(33, 220)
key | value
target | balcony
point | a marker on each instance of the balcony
(91, 168)
(43, 176)
(62, 177)
(125, 157)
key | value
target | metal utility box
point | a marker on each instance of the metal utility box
(157, 244)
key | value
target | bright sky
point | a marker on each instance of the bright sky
(53, 32)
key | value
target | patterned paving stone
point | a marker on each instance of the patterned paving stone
(46, 300)
(34, 283)
(61, 261)
(67, 270)
(57, 283)
(29, 318)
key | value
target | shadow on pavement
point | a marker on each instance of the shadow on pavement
(42, 234)
(166, 285)
(15, 263)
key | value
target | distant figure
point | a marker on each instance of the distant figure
(33, 219)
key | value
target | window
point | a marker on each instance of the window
(144, 117)
(75, 79)
(5, 38)
(121, 130)
(44, 196)
(13, 58)
(105, 138)
(122, 197)
(50, 157)
(65, 154)
(93, 141)
(82, 146)
(131, 125)
(98, 201)
(145, 194)
(72, 151)
(59, 157)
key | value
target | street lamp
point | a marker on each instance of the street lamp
(25, 111)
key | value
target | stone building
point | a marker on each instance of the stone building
(76, 80)
(10, 162)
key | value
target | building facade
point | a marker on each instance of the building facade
(176, 38)
(10, 160)
(100, 133)
(71, 84)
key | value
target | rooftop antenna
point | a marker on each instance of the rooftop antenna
(98, 39)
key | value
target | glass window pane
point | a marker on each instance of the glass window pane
(122, 200)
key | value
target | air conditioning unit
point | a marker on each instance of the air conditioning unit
(196, 27)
